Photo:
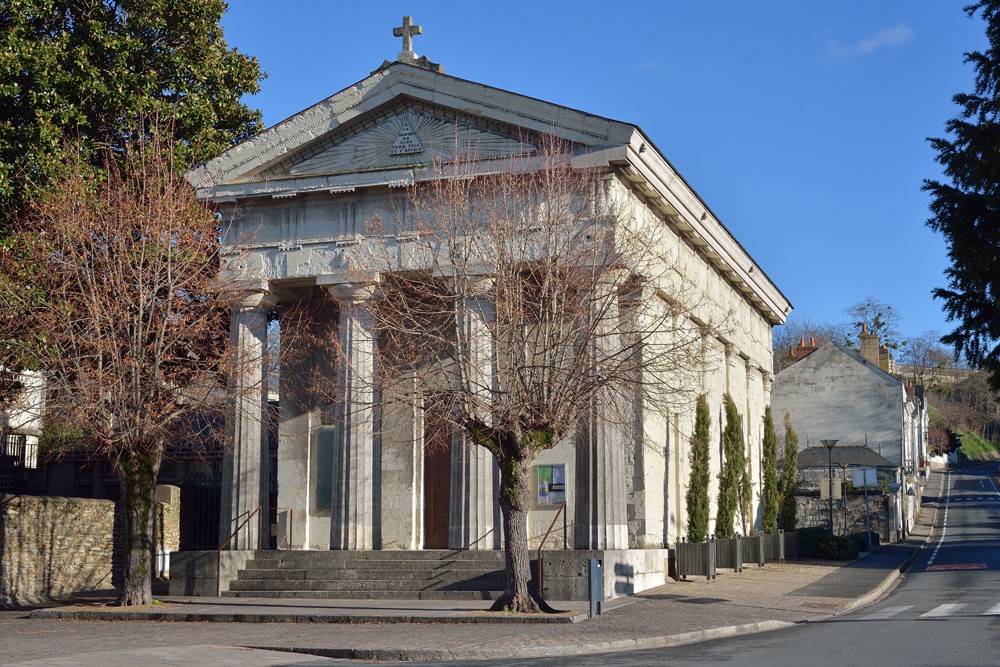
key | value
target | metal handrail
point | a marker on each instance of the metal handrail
(218, 555)
(542, 544)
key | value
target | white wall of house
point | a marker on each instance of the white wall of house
(834, 393)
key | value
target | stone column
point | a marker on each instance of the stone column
(474, 520)
(245, 463)
(601, 502)
(352, 506)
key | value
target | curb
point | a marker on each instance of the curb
(594, 648)
(182, 617)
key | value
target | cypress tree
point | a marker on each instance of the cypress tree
(697, 491)
(769, 494)
(733, 479)
(789, 480)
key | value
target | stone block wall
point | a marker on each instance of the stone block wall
(814, 511)
(166, 525)
(53, 547)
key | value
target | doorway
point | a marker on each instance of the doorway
(437, 476)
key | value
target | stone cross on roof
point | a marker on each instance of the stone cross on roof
(407, 31)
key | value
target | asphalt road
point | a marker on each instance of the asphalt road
(945, 611)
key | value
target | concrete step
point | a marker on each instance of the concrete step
(372, 585)
(409, 575)
(368, 595)
(370, 565)
(336, 556)
(319, 574)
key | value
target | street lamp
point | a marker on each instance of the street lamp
(829, 450)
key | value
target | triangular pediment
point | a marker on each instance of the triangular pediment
(396, 139)
(399, 117)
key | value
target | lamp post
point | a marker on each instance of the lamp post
(829, 450)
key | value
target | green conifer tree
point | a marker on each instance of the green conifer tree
(789, 480)
(733, 479)
(697, 491)
(769, 494)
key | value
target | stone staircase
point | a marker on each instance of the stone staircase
(366, 575)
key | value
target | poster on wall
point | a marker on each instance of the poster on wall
(552, 484)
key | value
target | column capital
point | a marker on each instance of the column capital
(352, 292)
(250, 298)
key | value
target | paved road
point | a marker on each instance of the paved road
(945, 611)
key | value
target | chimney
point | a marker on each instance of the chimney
(803, 350)
(869, 344)
(885, 360)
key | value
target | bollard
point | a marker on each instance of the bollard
(596, 586)
(710, 557)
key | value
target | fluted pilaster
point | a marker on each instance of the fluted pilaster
(474, 521)
(245, 461)
(352, 509)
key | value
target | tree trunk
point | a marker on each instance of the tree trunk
(515, 497)
(139, 479)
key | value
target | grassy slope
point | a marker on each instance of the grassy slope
(975, 448)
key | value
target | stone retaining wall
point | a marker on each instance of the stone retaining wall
(814, 511)
(52, 547)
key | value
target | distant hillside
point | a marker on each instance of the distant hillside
(974, 448)
(967, 406)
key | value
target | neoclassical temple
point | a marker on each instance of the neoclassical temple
(296, 199)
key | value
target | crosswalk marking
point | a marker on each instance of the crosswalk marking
(940, 611)
(889, 612)
(943, 610)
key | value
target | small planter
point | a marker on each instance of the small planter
(730, 553)
(696, 559)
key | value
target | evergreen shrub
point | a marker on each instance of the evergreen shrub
(817, 542)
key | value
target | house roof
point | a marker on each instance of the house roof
(842, 455)
(820, 356)
(323, 149)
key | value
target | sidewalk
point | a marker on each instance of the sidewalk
(676, 613)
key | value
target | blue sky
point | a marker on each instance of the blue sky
(801, 124)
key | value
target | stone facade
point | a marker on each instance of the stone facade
(53, 547)
(353, 474)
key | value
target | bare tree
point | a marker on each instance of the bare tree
(110, 287)
(924, 355)
(537, 305)
(879, 318)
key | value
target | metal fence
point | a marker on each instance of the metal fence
(12, 451)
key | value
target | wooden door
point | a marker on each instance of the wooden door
(437, 478)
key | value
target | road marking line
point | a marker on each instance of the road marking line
(943, 610)
(944, 521)
(992, 611)
(887, 612)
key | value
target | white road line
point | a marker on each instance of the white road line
(887, 613)
(944, 521)
(943, 610)
(992, 611)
